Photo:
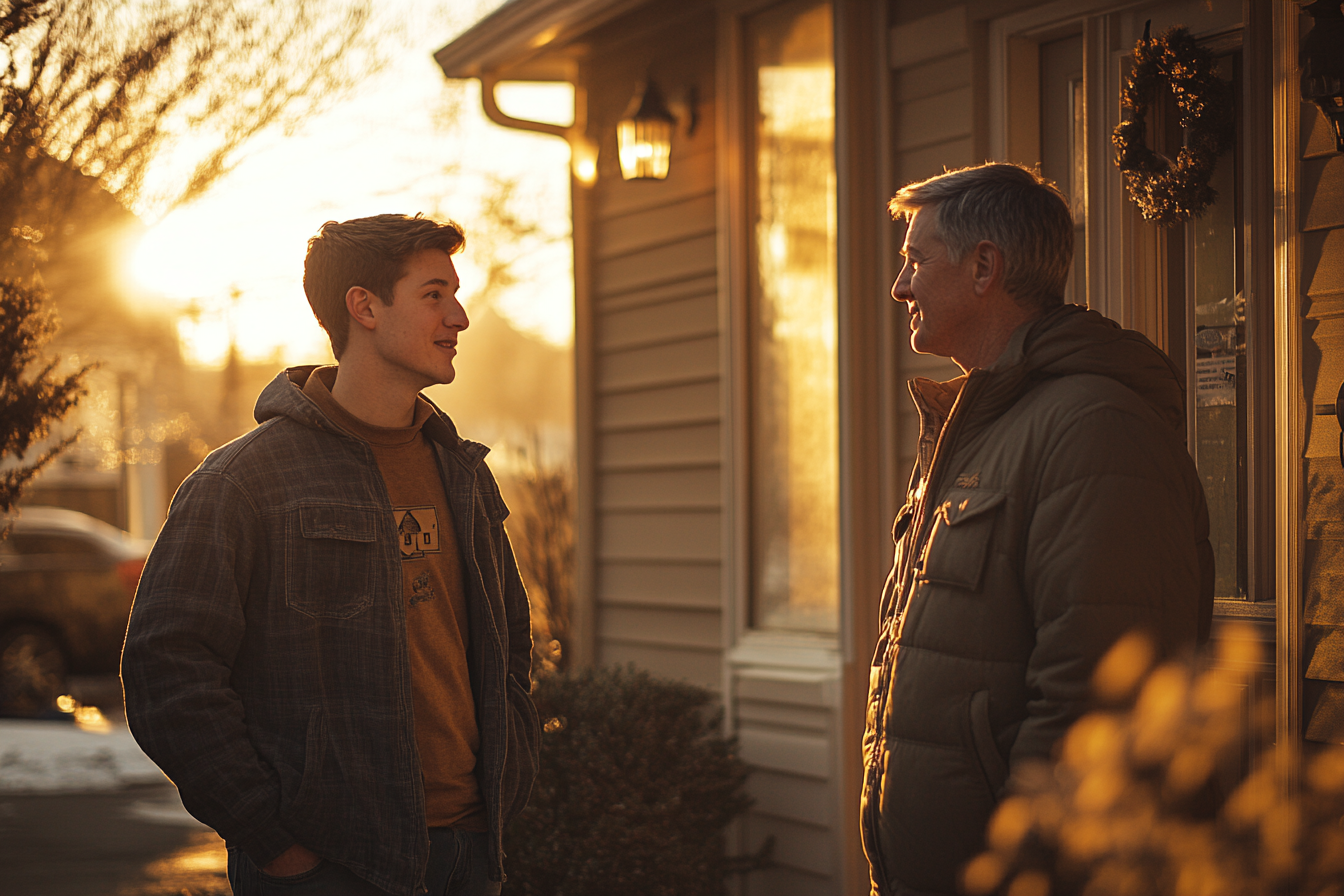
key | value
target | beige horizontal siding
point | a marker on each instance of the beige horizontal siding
(675, 320)
(784, 716)
(793, 798)
(930, 160)
(798, 846)
(699, 667)
(668, 447)
(693, 403)
(797, 753)
(929, 37)
(657, 365)
(693, 627)
(1323, 570)
(774, 689)
(660, 584)
(929, 78)
(1322, 192)
(1323, 263)
(1317, 138)
(674, 222)
(671, 262)
(932, 120)
(686, 535)
(680, 288)
(668, 489)
(1327, 653)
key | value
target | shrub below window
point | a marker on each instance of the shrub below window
(635, 791)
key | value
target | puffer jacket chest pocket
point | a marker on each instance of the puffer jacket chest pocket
(331, 558)
(963, 527)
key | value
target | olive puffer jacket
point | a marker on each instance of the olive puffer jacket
(1053, 508)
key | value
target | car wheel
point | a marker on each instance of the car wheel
(32, 671)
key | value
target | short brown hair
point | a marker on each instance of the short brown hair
(370, 253)
(1012, 207)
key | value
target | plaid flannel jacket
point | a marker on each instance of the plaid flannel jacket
(266, 667)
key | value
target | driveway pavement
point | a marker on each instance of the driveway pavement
(84, 813)
(135, 841)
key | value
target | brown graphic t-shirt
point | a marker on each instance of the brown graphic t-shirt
(436, 608)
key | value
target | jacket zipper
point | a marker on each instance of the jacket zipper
(943, 449)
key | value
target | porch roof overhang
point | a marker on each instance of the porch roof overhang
(521, 38)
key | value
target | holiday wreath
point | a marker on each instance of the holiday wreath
(1171, 192)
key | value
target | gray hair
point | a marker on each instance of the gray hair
(1012, 207)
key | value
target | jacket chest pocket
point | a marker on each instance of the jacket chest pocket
(331, 557)
(962, 529)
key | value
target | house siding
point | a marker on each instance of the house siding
(787, 729)
(655, 361)
(1321, 202)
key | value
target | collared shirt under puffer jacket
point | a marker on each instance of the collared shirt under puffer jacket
(266, 667)
(1053, 508)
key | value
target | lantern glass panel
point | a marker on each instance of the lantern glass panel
(645, 147)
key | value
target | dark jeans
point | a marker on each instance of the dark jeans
(458, 866)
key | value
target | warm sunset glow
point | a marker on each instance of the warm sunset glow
(232, 263)
(795, 426)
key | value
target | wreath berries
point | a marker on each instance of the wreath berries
(1169, 193)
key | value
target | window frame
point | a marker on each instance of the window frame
(751, 645)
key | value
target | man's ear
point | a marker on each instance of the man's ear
(359, 302)
(989, 264)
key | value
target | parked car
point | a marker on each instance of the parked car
(66, 585)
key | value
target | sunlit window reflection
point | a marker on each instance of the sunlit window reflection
(795, 431)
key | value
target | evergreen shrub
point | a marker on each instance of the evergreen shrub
(635, 790)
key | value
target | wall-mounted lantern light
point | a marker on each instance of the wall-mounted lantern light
(644, 135)
(1322, 62)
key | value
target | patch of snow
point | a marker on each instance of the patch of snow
(47, 757)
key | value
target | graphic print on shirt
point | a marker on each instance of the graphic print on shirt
(421, 589)
(418, 529)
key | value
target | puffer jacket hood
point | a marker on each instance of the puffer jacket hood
(1071, 340)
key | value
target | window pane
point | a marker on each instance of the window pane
(1219, 444)
(794, 421)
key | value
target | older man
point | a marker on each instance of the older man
(1053, 507)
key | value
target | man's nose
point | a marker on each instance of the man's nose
(900, 290)
(457, 316)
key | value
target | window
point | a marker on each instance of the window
(1207, 336)
(794, 421)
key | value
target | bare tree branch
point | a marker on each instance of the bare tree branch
(114, 89)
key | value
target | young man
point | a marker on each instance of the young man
(1053, 507)
(329, 652)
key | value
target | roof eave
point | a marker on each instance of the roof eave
(520, 31)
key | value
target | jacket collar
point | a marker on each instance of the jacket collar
(284, 397)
